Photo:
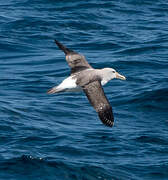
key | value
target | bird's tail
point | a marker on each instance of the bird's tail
(63, 48)
(55, 89)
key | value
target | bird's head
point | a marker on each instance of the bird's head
(112, 73)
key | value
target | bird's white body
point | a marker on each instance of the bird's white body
(69, 84)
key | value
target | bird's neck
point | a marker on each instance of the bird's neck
(105, 78)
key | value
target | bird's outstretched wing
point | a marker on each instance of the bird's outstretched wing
(98, 100)
(77, 62)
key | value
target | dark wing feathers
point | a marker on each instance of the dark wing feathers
(98, 100)
(76, 61)
(63, 48)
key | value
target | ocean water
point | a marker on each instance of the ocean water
(60, 137)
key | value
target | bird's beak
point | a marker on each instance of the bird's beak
(119, 76)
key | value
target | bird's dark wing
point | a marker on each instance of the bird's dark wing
(76, 61)
(98, 100)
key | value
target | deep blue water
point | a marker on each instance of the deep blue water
(59, 137)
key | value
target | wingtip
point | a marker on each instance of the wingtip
(56, 41)
(109, 124)
(63, 48)
(107, 117)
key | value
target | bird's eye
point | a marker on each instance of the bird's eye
(113, 71)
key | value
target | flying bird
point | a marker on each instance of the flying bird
(85, 78)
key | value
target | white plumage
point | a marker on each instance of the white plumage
(68, 84)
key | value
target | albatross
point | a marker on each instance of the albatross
(85, 78)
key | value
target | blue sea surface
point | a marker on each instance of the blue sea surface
(60, 137)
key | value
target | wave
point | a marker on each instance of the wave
(50, 169)
(155, 98)
(152, 140)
